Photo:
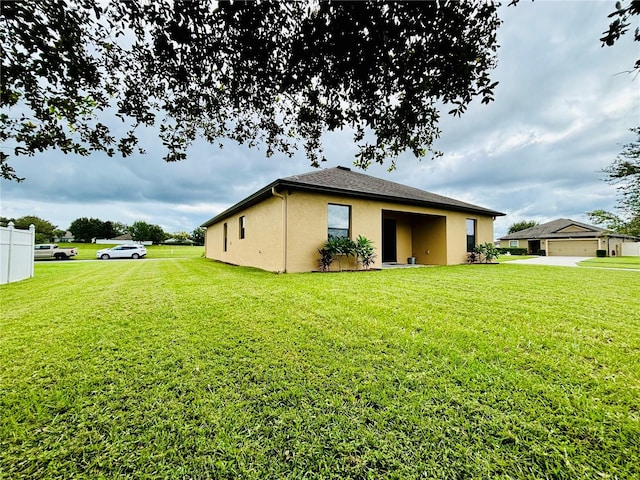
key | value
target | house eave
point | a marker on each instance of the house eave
(251, 200)
(389, 198)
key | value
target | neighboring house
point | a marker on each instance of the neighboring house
(177, 241)
(282, 226)
(566, 237)
(66, 238)
(123, 239)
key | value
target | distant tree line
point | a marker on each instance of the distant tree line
(87, 229)
(45, 230)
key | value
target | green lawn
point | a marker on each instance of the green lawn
(510, 258)
(612, 262)
(87, 251)
(185, 368)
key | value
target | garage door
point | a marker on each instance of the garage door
(573, 248)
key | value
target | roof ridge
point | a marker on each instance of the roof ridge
(343, 181)
(552, 227)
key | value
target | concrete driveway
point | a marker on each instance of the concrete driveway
(555, 261)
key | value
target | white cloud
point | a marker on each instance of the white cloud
(201, 208)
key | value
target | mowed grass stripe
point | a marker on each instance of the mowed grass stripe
(612, 262)
(188, 368)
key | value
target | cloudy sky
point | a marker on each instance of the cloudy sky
(562, 112)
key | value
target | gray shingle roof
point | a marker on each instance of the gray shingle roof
(342, 181)
(552, 230)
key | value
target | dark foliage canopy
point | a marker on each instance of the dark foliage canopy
(198, 236)
(41, 225)
(45, 230)
(276, 74)
(86, 229)
(622, 20)
(522, 225)
(142, 231)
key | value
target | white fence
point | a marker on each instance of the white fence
(631, 249)
(16, 253)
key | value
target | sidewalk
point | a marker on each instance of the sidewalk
(554, 261)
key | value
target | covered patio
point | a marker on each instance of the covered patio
(413, 239)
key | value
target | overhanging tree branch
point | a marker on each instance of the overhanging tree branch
(260, 73)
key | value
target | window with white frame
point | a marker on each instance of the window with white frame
(513, 243)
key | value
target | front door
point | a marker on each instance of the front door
(389, 251)
(534, 247)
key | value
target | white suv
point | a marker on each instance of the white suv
(122, 251)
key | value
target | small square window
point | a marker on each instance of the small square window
(513, 243)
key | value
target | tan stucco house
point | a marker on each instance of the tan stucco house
(566, 237)
(282, 226)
